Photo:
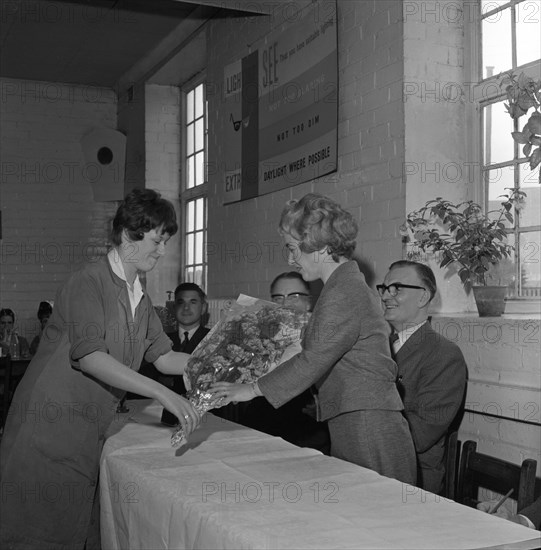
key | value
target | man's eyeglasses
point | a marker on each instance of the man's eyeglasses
(394, 288)
(292, 297)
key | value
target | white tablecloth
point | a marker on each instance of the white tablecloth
(232, 487)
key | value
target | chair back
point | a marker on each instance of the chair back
(498, 475)
(452, 452)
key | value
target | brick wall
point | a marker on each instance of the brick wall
(246, 251)
(436, 156)
(50, 222)
(162, 173)
(503, 398)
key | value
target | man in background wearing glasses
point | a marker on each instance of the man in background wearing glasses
(432, 371)
(290, 289)
(292, 421)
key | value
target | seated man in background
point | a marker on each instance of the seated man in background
(45, 310)
(191, 310)
(292, 421)
(10, 340)
(191, 313)
(431, 369)
(529, 516)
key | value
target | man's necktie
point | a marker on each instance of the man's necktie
(393, 339)
(185, 341)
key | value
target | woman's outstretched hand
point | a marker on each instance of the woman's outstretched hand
(225, 393)
(179, 406)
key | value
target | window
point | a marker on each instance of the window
(510, 40)
(195, 187)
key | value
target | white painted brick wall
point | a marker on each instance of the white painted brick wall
(435, 120)
(504, 358)
(50, 222)
(162, 173)
(370, 72)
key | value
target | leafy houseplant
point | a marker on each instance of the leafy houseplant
(523, 93)
(463, 235)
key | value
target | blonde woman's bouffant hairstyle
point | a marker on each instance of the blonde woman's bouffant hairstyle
(319, 222)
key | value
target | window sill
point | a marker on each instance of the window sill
(523, 307)
(468, 316)
(514, 309)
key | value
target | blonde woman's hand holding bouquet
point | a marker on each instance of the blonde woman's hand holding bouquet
(252, 338)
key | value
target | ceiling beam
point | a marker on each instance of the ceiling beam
(168, 48)
(249, 6)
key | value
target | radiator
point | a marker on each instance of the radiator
(216, 307)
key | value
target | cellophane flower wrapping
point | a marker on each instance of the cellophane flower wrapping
(252, 338)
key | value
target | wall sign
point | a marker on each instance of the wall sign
(282, 109)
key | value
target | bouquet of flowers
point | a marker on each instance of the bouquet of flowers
(252, 338)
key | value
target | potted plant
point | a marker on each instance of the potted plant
(470, 239)
(523, 93)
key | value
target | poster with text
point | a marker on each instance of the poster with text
(281, 104)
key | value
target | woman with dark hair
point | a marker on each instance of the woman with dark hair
(345, 349)
(102, 326)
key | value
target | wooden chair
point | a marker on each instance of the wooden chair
(482, 470)
(452, 453)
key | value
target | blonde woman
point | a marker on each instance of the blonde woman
(345, 350)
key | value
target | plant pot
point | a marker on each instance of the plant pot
(490, 300)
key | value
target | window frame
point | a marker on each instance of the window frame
(482, 92)
(186, 194)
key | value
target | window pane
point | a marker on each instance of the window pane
(200, 168)
(201, 276)
(530, 273)
(190, 139)
(189, 106)
(489, 5)
(190, 167)
(198, 276)
(530, 213)
(199, 135)
(505, 271)
(497, 43)
(199, 210)
(499, 182)
(189, 248)
(190, 218)
(498, 125)
(199, 101)
(199, 247)
(195, 257)
(528, 27)
(523, 120)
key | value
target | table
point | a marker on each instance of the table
(233, 487)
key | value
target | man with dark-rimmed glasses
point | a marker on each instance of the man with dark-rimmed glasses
(293, 421)
(431, 369)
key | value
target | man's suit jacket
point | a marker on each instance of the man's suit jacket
(533, 513)
(192, 343)
(432, 376)
(178, 381)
